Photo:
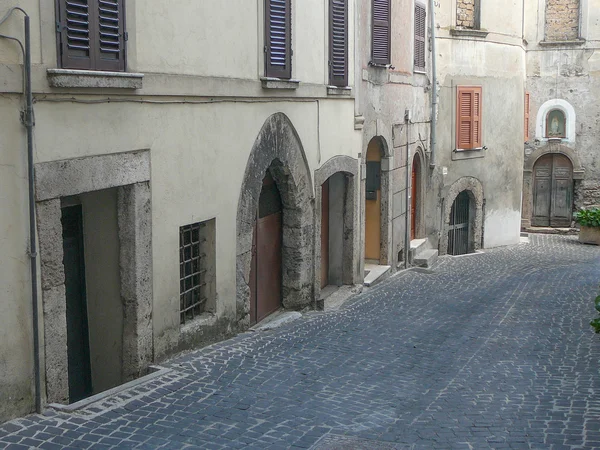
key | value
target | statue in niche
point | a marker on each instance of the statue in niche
(555, 124)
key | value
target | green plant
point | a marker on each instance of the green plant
(588, 217)
(596, 322)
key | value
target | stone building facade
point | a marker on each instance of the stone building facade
(160, 158)
(563, 87)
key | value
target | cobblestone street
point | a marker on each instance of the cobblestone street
(492, 350)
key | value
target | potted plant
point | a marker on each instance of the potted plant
(589, 221)
(596, 322)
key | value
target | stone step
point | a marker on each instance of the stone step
(426, 258)
(375, 274)
(417, 246)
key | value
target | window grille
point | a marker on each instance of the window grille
(192, 272)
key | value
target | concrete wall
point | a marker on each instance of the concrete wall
(103, 287)
(569, 73)
(199, 112)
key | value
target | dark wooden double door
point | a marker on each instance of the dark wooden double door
(267, 240)
(552, 191)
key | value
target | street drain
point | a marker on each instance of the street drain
(337, 442)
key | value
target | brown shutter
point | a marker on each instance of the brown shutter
(338, 42)
(74, 34)
(420, 32)
(109, 45)
(278, 32)
(526, 116)
(381, 31)
(468, 117)
(92, 34)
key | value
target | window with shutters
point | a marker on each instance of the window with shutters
(91, 34)
(278, 38)
(420, 34)
(468, 117)
(381, 26)
(338, 42)
(526, 125)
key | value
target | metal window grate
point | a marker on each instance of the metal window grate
(192, 285)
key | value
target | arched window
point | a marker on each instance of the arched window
(555, 124)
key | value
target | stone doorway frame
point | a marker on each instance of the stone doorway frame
(474, 189)
(387, 168)
(278, 148)
(529, 164)
(422, 191)
(130, 174)
(351, 254)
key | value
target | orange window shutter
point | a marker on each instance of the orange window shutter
(464, 125)
(477, 141)
(526, 116)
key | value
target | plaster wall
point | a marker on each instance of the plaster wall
(16, 349)
(103, 287)
(500, 71)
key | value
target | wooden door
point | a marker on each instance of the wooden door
(78, 346)
(373, 203)
(561, 210)
(266, 267)
(552, 191)
(415, 183)
(325, 234)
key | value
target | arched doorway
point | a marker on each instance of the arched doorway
(266, 266)
(552, 191)
(415, 200)
(373, 202)
(459, 228)
(277, 155)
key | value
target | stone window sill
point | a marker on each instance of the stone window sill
(468, 32)
(67, 78)
(569, 43)
(339, 91)
(468, 153)
(279, 83)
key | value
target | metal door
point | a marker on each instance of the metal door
(458, 230)
(325, 234)
(552, 191)
(266, 267)
(78, 347)
(416, 169)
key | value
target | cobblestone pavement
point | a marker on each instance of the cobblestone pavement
(491, 350)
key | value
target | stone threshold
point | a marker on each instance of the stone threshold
(156, 372)
(570, 231)
(276, 320)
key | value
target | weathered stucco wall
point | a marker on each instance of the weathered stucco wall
(500, 71)
(571, 74)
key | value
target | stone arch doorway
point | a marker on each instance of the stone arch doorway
(466, 190)
(374, 202)
(337, 260)
(531, 159)
(552, 191)
(278, 151)
(416, 199)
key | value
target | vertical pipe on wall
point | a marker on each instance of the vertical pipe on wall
(27, 119)
(32, 236)
(434, 99)
(406, 196)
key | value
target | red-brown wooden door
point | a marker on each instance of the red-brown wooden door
(414, 199)
(552, 191)
(266, 267)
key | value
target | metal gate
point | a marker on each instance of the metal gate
(458, 230)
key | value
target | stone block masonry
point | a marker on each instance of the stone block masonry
(562, 20)
(465, 13)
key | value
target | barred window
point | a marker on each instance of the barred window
(192, 271)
